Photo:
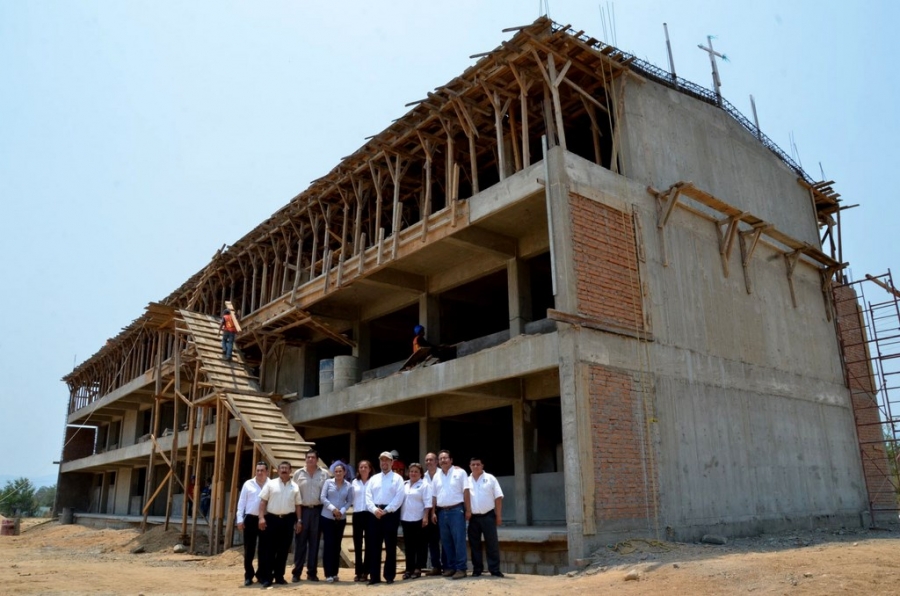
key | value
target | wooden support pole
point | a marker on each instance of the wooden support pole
(155, 430)
(156, 493)
(790, 262)
(198, 470)
(233, 494)
(524, 85)
(187, 463)
(175, 430)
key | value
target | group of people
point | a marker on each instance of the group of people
(433, 506)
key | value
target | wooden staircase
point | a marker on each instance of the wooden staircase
(261, 419)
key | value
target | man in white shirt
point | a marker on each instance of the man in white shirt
(310, 479)
(486, 498)
(432, 533)
(384, 496)
(451, 504)
(248, 516)
(279, 520)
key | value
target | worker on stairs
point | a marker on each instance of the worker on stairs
(229, 330)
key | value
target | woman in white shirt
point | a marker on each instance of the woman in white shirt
(414, 516)
(336, 497)
(361, 517)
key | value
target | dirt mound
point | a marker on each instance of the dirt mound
(158, 539)
(56, 536)
(230, 558)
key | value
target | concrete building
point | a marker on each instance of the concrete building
(637, 320)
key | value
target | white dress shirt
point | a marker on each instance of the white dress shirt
(359, 494)
(417, 500)
(385, 489)
(449, 489)
(248, 503)
(483, 493)
(281, 497)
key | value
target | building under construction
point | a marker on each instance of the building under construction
(635, 294)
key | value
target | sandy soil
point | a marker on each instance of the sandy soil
(49, 558)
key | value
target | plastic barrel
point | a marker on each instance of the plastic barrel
(8, 527)
(346, 372)
(326, 376)
(68, 516)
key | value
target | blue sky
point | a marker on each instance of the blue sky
(136, 138)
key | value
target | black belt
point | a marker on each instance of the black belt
(282, 515)
(491, 512)
(382, 506)
(319, 506)
(449, 507)
(250, 515)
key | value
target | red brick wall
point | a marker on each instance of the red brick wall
(606, 265)
(857, 368)
(622, 466)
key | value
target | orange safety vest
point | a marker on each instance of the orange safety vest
(228, 324)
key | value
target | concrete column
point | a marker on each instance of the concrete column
(363, 336)
(561, 241)
(122, 491)
(519, 289)
(430, 316)
(578, 460)
(129, 428)
(523, 459)
(351, 451)
(429, 436)
(104, 493)
(310, 372)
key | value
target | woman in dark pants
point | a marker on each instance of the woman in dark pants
(414, 515)
(337, 497)
(361, 518)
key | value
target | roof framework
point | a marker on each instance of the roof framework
(406, 187)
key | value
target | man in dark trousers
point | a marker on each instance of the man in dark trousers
(248, 517)
(310, 479)
(279, 520)
(229, 330)
(384, 496)
(486, 499)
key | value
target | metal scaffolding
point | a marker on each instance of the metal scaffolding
(870, 339)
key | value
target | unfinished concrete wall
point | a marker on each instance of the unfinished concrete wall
(669, 137)
(750, 426)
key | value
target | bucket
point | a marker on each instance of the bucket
(346, 371)
(326, 376)
(8, 527)
(67, 517)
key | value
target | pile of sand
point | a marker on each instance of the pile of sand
(156, 539)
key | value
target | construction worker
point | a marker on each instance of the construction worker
(229, 330)
(419, 340)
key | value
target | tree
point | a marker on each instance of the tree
(17, 498)
(45, 496)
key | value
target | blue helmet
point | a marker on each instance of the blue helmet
(418, 329)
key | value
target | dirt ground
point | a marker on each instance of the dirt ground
(49, 558)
